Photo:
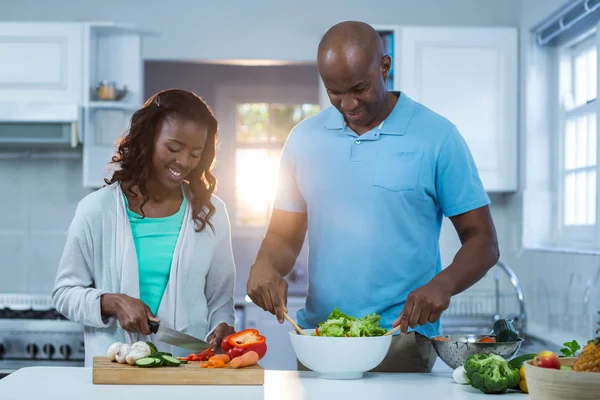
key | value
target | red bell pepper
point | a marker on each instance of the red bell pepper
(242, 342)
(203, 356)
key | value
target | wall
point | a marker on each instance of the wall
(268, 29)
(38, 200)
(554, 281)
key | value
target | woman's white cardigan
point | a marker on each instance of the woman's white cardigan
(100, 257)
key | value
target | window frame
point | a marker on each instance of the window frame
(576, 236)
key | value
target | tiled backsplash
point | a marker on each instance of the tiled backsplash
(555, 286)
(39, 197)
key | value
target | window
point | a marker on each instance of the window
(578, 217)
(261, 131)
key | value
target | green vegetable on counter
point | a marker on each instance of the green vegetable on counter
(518, 361)
(491, 373)
(339, 324)
(570, 349)
(505, 331)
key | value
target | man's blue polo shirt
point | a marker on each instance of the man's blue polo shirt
(375, 205)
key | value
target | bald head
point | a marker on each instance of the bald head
(351, 39)
(354, 68)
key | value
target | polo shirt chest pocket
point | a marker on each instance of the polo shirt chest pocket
(398, 170)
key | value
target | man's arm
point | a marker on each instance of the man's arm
(276, 258)
(478, 253)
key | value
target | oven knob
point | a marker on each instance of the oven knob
(65, 350)
(32, 350)
(48, 350)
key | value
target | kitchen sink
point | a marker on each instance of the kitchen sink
(533, 344)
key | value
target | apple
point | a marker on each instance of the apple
(546, 359)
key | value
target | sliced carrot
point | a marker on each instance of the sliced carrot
(487, 339)
(216, 363)
(223, 357)
(245, 360)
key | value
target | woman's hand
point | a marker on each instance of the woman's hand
(132, 313)
(221, 331)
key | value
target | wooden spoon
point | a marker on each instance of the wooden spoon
(294, 324)
(392, 331)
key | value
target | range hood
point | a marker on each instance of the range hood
(39, 124)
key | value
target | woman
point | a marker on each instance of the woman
(154, 244)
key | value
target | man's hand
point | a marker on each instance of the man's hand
(267, 289)
(221, 331)
(132, 313)
(423, 305)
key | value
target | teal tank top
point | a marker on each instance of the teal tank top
(155, 240)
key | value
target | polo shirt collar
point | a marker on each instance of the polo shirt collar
(395, 124)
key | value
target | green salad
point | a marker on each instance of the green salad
(339, 325)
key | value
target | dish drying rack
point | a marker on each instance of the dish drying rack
(475, 311)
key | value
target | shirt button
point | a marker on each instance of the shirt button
(357, 141)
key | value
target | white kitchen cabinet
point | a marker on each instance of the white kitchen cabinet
(41, 62)
(470, 76)
(112, 53)
(280, 354)
(45, 67)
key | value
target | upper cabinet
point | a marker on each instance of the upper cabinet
(113, 67)
(41, 62)
(469, 76)
(72, 84)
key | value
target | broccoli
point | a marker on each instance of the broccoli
(491, 373)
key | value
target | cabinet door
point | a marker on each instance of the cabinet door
(280, 354)
(468, 75)
(41, 62)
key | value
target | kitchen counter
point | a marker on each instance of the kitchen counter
(66, 383)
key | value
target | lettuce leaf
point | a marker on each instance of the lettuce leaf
(339, 324)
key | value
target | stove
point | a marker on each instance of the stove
(33, 333)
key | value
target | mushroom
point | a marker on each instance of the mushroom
(113, 350)
(124, 349)
(134, 355)
(141, 346)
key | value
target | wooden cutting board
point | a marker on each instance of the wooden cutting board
(106, 372)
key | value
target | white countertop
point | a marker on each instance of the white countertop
(67, 383)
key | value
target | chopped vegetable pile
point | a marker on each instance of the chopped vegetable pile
(339, 324)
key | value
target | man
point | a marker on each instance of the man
(371, 179)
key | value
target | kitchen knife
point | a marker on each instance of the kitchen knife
(176, 338)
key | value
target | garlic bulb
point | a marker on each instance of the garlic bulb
(460, 376)
(112, 351)
(124, 349)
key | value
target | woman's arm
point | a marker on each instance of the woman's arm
(74, 294)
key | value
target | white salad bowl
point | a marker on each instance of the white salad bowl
(339, 357)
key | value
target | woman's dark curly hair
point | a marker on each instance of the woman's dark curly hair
(135, 150)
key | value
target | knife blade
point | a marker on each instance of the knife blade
(176, 338)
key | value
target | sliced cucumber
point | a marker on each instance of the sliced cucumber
(146, 362)
(183, 361)
(162, 353)
(159, 361)
(153, 349)
(171, 361)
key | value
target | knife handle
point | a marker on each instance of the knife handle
(154, 326)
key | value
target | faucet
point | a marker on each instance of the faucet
(586, 298)
(521, 319)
